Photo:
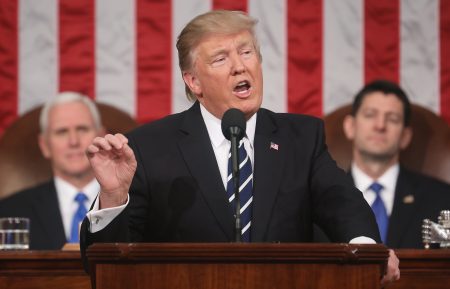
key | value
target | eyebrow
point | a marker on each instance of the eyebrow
(223, 50)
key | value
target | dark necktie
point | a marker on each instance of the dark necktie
(78, 217)
(245, 190)
(379, 209)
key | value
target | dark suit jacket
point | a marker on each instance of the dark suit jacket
(417, 197)
(177, 194)
(429, 196)
(40, 205)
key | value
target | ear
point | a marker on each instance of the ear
(406, 137)
(43, 145)
(192, 82)
(349, 127)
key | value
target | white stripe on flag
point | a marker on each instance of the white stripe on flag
(115, 51)
(271, 32)
(38, 53)
(343, 52)
(182, 12)
(419, 52)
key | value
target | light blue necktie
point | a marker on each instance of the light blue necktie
(78, 217)
(379, 209)
(245, 190)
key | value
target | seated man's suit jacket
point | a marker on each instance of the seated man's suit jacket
(177, 194)
(417, 197)
(40, 205)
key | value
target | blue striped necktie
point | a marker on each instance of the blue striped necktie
(78, 217)
(245, 190)
(379, 209)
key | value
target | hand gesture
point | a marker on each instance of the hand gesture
(114, 165)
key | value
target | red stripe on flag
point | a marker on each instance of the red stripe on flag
(304, 20)
(382, 40)
(154, 62)
(9, 43)
(445, 58)
(230, 5)
(76, 46)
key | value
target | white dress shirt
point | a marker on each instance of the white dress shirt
(388, 180)
(66, 198)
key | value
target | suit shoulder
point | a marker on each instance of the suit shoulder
(428, 184)
(23, 199)
(294, 117)
(295, 122)
(164, 125)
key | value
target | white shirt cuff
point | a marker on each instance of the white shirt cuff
(362, 240)
(99, 219)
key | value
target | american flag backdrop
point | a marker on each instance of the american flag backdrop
(316, 53)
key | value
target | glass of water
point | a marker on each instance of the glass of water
(14, 233)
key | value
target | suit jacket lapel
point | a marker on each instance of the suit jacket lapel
(267, 173)
(199, 156)
(402, 212)
(49, 216)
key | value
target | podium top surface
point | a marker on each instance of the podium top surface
(239, 252)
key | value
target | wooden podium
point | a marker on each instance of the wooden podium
(42, 270)
(423, 269)
(249, 266)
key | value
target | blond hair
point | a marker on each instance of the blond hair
(222, 22)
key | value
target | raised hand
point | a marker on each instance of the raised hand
(114, 165)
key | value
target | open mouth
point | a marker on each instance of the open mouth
(242, 87)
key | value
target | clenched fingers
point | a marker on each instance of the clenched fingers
(107, 143)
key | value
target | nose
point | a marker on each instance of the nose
(380, 123)
(238, 66)
(74, 139)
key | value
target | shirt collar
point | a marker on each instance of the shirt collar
(67, 192)
(388, 180)
(214, 127)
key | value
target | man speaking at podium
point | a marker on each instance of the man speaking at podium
(170, 181)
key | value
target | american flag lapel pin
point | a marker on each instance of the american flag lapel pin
(273, 146)
(409, 199)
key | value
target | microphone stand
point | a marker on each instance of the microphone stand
(235, 175)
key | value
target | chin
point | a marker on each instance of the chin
(78, 171)
(249, 110)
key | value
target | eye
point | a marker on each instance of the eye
(247, 53)
(82, 128)
(369, 114)
(394, 118)
(61, 132)
(219, 60)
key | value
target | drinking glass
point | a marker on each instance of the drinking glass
(14, 233)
